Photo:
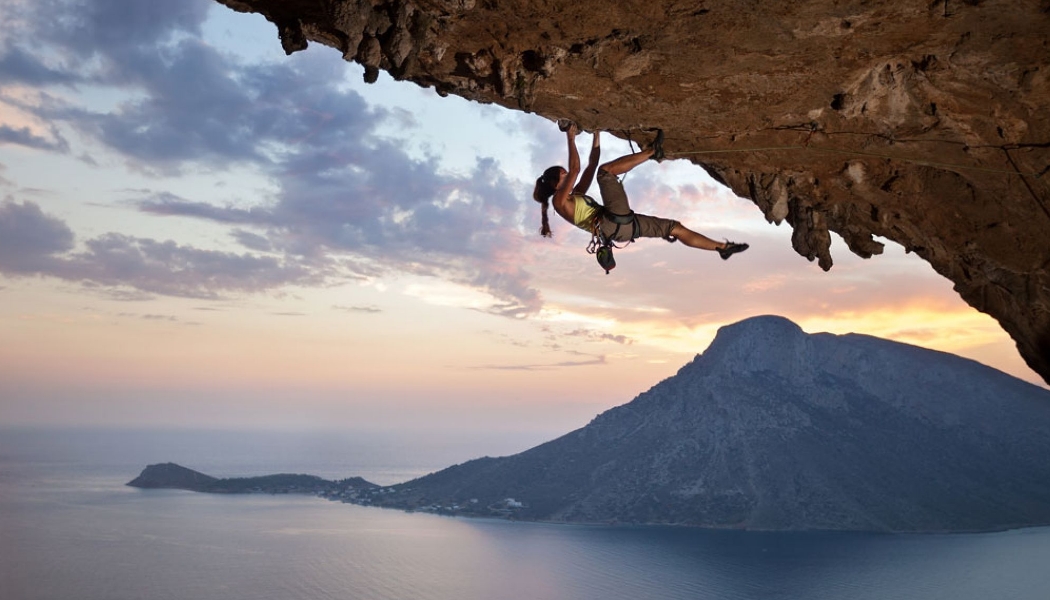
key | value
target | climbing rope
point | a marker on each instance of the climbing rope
(917, 161)
(926, 163)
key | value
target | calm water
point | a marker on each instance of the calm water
(70, 529)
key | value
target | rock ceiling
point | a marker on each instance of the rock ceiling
(926, 123)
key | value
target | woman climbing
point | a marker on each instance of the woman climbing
(612, 221)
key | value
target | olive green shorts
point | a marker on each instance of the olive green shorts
(614, 198)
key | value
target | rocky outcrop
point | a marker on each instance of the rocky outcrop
(771, 428)
(176, 477)
(925, 123)
(172, 476)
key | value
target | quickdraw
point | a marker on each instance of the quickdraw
(601, 246)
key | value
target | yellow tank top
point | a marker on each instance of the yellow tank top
(585, 209)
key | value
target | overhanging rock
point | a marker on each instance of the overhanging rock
(927, 123)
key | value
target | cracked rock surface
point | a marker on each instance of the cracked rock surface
(926, 123)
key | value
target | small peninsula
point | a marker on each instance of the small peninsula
(176, 477)
(353, 490)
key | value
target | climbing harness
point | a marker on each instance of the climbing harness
(601, 245)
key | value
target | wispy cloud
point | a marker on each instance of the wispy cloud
(360, 309)
(343, 190)
(23, 136)
(19, 66)
(167, 204)
(149, 317)
(600, 360)
(598, 336)
(35, 243)
(252, 241)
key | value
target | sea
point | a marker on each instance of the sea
(70, 529)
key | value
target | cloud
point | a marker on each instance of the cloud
(765, 283)
(401, 213)
(149, 317)
(598, 336)
(34, 243)
(168, 268)
(29, 239)
(364, 309)
(18, 66)
(189, 102)
(346, 194)
(251, 240)
(91, 28)
(23, 136)
(597, 360)
(167, 204)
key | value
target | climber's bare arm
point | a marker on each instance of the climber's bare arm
(592, 166)
(562, 195)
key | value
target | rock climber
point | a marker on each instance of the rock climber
(613, 220)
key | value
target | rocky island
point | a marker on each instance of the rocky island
(177, 477)
(770, 428)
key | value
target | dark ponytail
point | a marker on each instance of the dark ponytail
(545, 188)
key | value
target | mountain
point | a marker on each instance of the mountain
(772, 428)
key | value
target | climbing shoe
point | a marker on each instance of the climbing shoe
(730, 249)
(658, 146)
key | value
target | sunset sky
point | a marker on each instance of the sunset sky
(198, 231)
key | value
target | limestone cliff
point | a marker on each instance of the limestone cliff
(926, 123)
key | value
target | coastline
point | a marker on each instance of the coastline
(359, 492)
